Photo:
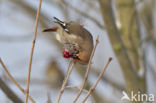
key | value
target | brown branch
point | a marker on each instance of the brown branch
(131, 39)
(131, 35)
(32, 51)
(10, 94)
(135, 39)
(96, 95)
(97, 81)
(70, 68)
(118, 46)
(13, 80)
(76, 87)
(87, 72)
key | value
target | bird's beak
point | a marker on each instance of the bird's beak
(58, 21)
(54, 29)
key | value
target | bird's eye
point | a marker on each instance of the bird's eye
(65, 25)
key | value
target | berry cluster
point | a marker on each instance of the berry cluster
(67, 54)
(70, 54)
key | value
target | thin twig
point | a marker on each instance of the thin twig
(76, 87)
(70, 68)
(87, 72)
(9, 93)
(13, 80)
(32, 51)
(97, 81)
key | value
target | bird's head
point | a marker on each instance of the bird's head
(62, 24)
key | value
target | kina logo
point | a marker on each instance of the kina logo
(143, 97)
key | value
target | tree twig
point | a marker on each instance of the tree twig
(13, 80)
(119, 47)
(32, 51)
(10, 94)
(76, 87)
(97, 81)
(87, 72)
(70, 68)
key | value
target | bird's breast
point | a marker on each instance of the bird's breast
(58, 37)
(65, 38)
(73, 36)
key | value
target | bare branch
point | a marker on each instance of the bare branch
(70, 68)
(10, 94)
(78, 88)
(32, 51)
(118, 46)
(13, 80)
(97, 81)
(87, 72)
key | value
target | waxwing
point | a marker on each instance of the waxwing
(77, 41)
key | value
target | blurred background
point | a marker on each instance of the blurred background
(126, 30)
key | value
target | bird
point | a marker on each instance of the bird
(77, 41)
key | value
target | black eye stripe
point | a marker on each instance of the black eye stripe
(65, 26)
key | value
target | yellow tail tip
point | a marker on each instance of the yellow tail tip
(43, 30)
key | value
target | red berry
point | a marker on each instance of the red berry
(67, 54)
